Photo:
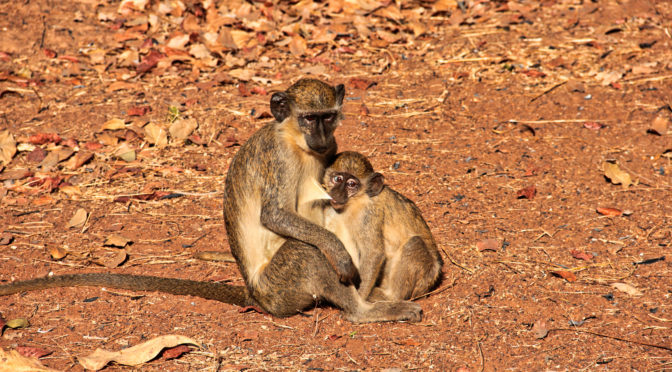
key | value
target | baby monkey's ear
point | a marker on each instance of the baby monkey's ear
(375, 184)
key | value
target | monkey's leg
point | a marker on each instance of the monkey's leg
(299, 275)
(413, 272)
(236, 295)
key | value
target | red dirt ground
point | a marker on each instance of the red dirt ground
(460, 107)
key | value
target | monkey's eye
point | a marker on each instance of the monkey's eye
(310, 118)
(351, 184)
(337, 178)
(329, 118)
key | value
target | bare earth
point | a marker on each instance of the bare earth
(498, 119)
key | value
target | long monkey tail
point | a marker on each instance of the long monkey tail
(230, 294)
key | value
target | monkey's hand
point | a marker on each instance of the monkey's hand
(340, 260)
(291, 225)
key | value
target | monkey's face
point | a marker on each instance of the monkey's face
(318, 130)
(342, 186)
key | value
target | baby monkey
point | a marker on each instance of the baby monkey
(384, 232)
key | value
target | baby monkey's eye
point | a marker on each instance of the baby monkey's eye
(351, 184)
(337, 178)
(329, 118)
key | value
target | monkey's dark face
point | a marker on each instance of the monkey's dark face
(318, 130)
(341, 187)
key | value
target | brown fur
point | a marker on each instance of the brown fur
(391, 243)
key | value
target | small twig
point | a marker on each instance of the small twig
(457, 264)
(548, 91)
(613, 338)
(480, 350)
(352, 360)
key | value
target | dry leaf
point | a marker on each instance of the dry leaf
(612, 212)
(125, 153)
(70, 190)
(659, 126)
(581, 255)
(110, 259)
(18, 323)
(528, 192)
(57, 252)
(156, 135)
(593, 125)
(42, 138)
(133, 355)
(567, 275)
(12, 361)
(215, 256)
(7, 147)
(78, 219)
(114, 124)
(297, 46)
(116, 240)
(32, 352)
(627, 288)
(539, 329)
(182, 128)
(175, 352)
(607, 77)
(488, 245)
(616, 175)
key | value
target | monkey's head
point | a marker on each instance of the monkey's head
(349, 177)
(316, 106)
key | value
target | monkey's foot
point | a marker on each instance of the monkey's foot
(386, 312)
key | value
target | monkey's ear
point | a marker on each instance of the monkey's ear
(340, 93)
(375, 184)
(280, 106)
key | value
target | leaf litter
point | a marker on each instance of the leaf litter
(483, 62)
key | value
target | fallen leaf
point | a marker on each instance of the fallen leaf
(627, 288)
(78, 219)
(581, 255)
(359, 83)
(297, 46)
(567, 275)
(110, 259)
(114, 124)
(607, 77)
(539, 329)
(32, 352)
(133, 355)
(6, 238)
(533, 73)
(15, 174)
(175, 352)
(488, 245)
(182, 128)
(125, 153)
(18, 323)
(57, 252)
(42, 138)
(43, 200)
(612, 212)
(149, 61)
(659, 126)
(37, 155)
(12, 361)
(593, 125)
(78, 160)
(215, 256)
(7, 147)
(156, 135)
(528, 192)
(138, 110)
(616, 175)
(116, 240)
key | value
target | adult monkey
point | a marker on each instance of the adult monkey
(287, 260)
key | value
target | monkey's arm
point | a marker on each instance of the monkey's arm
(371, 245)
(290, 224)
